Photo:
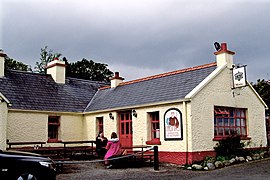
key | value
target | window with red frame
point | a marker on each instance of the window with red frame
(100, 124)
(154, 117)
(229, 121)
(53, 128)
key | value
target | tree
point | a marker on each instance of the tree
(263, 89)
(46, 57)
(90, 70)
(16, 65)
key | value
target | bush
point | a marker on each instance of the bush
(230, 147)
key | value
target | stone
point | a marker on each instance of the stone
(219, 164)
(256, 156)
(262, 154)
(210, 166)
(189, 168)
(242, 159)
(249, 158)
(197, 166)
(206, 168)
(237, 158)
(226, 163)
(232, 161)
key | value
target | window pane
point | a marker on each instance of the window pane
(231, 113)
(238, 122)
(227, 131)
(122, 128)
(231, 122)
(238, 131)
(243, 122)
(226, 122)
(220, 132)
(220, 122)
(127, 127)
(244, 131)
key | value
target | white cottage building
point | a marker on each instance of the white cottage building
(184, 112)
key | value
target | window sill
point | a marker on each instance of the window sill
(221, 138)
(53, 141)
(153, 142)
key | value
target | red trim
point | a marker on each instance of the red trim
(224, 50)
(220, 138)
(3, 55)
(55, 64)
(184, 157)
(153, 142)
(53, 141)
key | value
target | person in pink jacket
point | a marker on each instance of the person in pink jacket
(113, 148)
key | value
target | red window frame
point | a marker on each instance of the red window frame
(229, 121)
(100, 124)
(53, 128)
(155, 128)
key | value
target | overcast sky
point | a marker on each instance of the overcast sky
(139, 38)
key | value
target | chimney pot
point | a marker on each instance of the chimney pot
(116, 80)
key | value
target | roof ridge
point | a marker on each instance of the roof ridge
(165, 74)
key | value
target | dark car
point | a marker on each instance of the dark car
(23, 165)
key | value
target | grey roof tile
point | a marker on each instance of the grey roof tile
(31, 91)
(158, 89)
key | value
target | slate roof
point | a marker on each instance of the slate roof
(32, 91)
(160, 88)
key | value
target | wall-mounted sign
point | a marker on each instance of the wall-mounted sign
(173, 127)
(239, 77)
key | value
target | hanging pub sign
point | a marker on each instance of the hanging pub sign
(239, 77)
(173, 127)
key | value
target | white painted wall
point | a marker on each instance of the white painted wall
(218, 92)
(33, 126)
(3, 125)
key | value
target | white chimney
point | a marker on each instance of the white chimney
(2, 63)
(224, 56)
(57, 69)
(116, 80)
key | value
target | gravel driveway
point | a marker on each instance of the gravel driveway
(259, 169)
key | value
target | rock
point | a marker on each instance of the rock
(226, 163)
(197, 166)
(237, 158)
(232, 161)
(210, 166)
(256, 156)
(242, 159)
(206, 168)
(219, 164)
(249, 158)
(189, 168)
(262, 154)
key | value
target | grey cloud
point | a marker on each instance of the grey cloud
(163, 35)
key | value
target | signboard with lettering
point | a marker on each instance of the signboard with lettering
(239, 77)
(173, 126)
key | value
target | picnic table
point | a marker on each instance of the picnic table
(143, 151)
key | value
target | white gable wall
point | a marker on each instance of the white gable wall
(3, 124)
(219, 93)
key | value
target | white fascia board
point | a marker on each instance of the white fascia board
(4, 98)
(208, 79)
(258, 96)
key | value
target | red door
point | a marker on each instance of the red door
(125, 120)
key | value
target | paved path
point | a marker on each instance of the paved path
(257, 170)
